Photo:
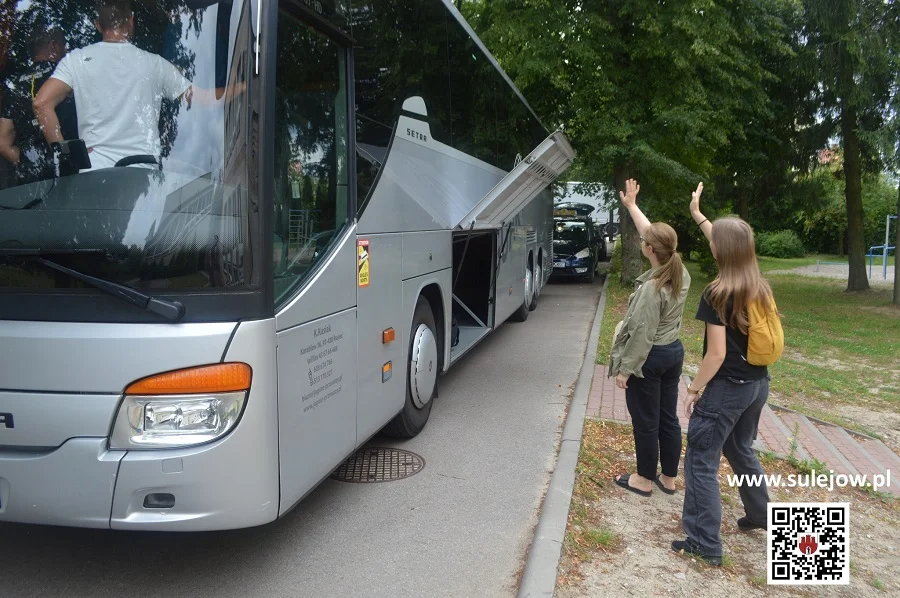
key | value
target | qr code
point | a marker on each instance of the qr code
(808, 544)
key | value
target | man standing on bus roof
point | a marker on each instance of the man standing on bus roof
(118, 91)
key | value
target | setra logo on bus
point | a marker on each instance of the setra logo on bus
(7, 420)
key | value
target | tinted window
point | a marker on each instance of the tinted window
(400, 52)
(473, 96)
(157, 204)
(311, 174)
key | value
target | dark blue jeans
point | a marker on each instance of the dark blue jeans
(724, 420)
(653, 404)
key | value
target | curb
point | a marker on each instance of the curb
(539, 576)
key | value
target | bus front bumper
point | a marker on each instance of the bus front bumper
(71, 485)
(83, 484)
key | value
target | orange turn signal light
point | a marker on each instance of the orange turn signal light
(221, 377)
(388, 336)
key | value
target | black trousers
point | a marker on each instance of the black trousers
(653, 404)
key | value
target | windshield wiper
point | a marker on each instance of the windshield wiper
(29, 252)
(172, 310)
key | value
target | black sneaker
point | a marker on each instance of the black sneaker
(746, 524)
(688, 548)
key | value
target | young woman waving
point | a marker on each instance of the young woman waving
(647, 355)
(725, 418)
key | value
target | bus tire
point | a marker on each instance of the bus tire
(521, 314)
(412, 418)
(538, 279)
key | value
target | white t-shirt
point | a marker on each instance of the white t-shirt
(118, 95)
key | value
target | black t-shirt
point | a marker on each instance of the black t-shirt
(735, 364)
(36, 158)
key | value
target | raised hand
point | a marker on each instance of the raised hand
(695, 199)
(629, 198)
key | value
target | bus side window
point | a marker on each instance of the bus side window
(311, 177)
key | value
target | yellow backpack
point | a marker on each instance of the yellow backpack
(765, 335)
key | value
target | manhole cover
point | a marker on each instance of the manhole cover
(379, 465)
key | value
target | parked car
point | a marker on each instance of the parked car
(577, 249)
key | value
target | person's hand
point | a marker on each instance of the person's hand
(629, 198)
(695, 199)
(622, 381)
(689, 403)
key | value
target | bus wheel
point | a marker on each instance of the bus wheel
(521, 314)
(538, 279)
(422, 374)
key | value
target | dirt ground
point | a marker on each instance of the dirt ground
(634, 558)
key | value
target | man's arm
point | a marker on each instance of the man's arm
(8, 147)
(48, 98)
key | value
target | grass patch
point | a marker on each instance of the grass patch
(878, 584)
(616, 305)
(587, 530)
(600, 538)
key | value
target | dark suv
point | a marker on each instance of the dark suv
(577, 249)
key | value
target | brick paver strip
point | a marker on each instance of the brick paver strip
(864, 462)
(843, 464)
(786, 433)
(771, 434)
(813, 443)
(881, 452)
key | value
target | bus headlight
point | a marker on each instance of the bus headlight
(175, 421)
(182, 408)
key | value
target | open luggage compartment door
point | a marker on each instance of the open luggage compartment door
(530, 176)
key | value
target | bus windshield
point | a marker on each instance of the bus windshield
(117, 144)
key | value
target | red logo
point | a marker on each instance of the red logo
(808, 544)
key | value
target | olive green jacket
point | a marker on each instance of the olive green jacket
(653, 318)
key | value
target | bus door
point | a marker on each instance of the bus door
(500, 210)
(314, 253)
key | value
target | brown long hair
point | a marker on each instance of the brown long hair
(664, 241)
(739, 276)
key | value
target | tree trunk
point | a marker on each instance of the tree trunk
(631, 242)
(744, 204)
(897, 251)
(856, 251)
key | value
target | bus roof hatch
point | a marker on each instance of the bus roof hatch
(523, 183)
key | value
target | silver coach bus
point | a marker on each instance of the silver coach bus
(350, 198)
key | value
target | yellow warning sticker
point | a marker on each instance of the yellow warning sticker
(362, 266)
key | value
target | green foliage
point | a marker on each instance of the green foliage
(823, 224)
(783, 244)
(707, 262)
(740, 94)
(649, 90)
(615, 261)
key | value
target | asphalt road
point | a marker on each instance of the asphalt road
(460, 527)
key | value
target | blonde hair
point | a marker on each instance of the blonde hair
(664, 241)
(739, 276)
